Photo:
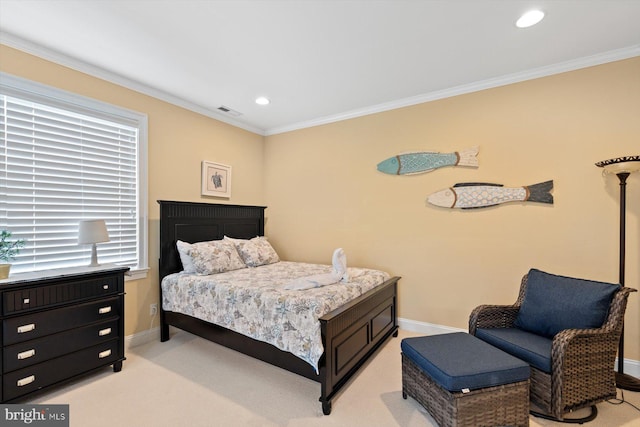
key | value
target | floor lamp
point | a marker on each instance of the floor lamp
(623, 167)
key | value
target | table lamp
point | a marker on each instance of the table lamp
(90, 232)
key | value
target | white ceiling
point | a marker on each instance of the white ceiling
(318, 61)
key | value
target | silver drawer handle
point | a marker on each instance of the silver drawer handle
(27, 380)
(103, 332)
(105, 287)
(26, 354)
(26, 328)
(104, 354)
(26, 301)
(104, 310)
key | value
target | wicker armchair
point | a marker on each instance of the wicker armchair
(582, 360)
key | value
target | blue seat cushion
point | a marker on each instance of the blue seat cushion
(457, 361)
(553, 303)
(532, 348)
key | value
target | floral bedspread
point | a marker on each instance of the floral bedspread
(251, 301)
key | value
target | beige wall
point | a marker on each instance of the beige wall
(323, 189)
(178, 141)
(451, 260)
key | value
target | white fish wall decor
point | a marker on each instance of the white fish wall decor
(426, 161)
(472, 195)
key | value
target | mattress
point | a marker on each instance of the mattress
(252, 301)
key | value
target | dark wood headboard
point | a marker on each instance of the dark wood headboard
(197, 222)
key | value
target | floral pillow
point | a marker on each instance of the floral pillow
(205, 258)
(255, 252)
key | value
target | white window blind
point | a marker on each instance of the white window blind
(65, 160)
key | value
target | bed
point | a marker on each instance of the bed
(350, 334)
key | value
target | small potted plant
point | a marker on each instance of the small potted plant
(8, 251)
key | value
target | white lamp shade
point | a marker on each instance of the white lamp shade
(623, 167)
(92, 231)
(628, 164)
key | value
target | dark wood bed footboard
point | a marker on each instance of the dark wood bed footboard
(351, 334)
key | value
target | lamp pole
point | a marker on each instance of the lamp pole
(623, 381)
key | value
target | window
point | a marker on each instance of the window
(65, 158)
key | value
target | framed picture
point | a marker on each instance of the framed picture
(216, 179)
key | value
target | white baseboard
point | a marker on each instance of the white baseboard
(426, 328)
(631, 367)
(140, 338)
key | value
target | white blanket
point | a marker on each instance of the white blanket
(338, 274)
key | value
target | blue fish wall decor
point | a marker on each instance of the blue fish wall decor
(482, 195)
(426, 161)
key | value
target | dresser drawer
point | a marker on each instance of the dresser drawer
(23, 381)
(63, 292)
(29, 353)
(37, 325)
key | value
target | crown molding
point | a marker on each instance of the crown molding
(48, 54)
(535, 73)
(79, 65)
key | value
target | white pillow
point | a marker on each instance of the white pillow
(255, 252)
(187, 265)
(205, 258)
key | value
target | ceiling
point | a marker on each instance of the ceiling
(318, 61)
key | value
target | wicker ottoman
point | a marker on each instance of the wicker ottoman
(463, 381)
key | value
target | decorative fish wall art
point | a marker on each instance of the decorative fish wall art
(482, 195)
(426, 161)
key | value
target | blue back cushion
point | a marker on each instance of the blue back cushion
(553, 303)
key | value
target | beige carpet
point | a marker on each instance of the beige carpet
(189, 381)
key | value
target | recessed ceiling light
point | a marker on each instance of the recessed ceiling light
(530, 18)
(261, 100)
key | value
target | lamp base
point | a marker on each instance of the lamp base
(627, 382)
(94, 256)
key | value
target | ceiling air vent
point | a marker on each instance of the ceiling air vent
(229, 111)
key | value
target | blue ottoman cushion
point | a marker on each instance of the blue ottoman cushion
(461, 361)
(532, 348)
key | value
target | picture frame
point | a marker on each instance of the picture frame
(216, 179)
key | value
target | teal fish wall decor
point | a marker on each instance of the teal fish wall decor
(482, 195)
(426, 161)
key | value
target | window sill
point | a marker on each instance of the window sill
(137, 274)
